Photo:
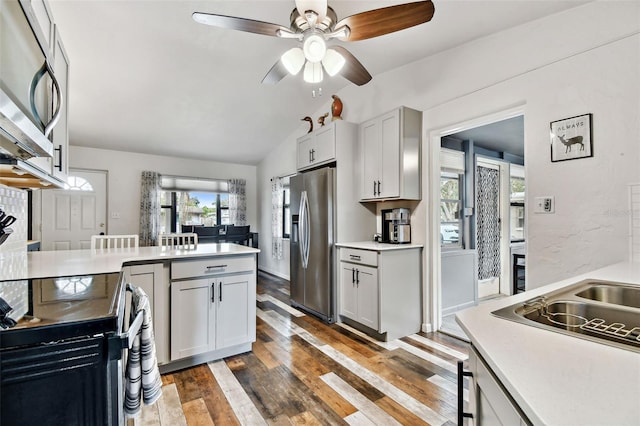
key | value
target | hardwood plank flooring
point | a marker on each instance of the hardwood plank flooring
(302, 371)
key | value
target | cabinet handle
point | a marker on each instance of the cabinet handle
(310, 160)
(353, 275)
(379, 188)
(209, 268)
(213, 293)
(220, 292)
(354, 257)
(313, 155)
(374, 188)
(358, 277)
(461, 375)
(59, 150)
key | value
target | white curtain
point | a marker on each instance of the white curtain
(277, 201)
(237, 202)
(149, 208)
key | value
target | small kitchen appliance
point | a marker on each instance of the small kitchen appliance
(396, 226)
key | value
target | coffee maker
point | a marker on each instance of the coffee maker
(396, 227)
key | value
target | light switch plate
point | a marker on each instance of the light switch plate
(546, 204)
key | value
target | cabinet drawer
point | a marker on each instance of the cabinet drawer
(362, 257)
(211, 266)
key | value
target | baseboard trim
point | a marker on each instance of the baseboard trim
(274, 273)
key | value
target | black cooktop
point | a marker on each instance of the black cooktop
(52, 309)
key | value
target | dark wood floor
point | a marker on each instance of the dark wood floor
(303, 371)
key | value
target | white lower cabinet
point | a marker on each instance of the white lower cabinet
(380, 290)
(359, 291)
(489, 403)
(214, 312)
(154, 280)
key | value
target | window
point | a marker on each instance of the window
(450, 209)
(452, 166)
(517, 216)
(192, 208)
(286, 222)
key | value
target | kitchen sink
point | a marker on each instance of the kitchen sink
(616, 294)
(600, 311)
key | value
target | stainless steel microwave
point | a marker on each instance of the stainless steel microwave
(30, 101)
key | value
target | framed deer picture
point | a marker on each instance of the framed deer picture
(571, 138)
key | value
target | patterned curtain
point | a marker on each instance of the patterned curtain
(149, 208)
(237, 202)
(276, 217)
(488, 222)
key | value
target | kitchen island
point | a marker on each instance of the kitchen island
(555, 379)
(203, 299)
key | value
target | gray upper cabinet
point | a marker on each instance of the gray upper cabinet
(319, 147)
(390, 156)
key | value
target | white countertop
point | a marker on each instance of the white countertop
(41, 264)
(558, 379)
(372, 245)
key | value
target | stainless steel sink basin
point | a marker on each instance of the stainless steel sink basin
(616, 294)
(599, 311)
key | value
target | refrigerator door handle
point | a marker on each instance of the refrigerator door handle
(307, 229)
(303, 229)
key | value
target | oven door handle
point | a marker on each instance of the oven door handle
(125, 340)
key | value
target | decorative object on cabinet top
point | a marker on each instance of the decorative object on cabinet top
(336, 108)
(310, 121)
(322, 118)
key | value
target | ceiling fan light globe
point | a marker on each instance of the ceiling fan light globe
(293, 60)
(333, 62)
(317, 6)
(313, 72)
(314, 48)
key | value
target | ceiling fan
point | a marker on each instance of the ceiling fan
(314, 23)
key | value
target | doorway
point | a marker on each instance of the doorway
(69, 217)
(484, 213)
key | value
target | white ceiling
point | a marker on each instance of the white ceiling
(147, 78)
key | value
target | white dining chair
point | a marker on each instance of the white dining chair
(101, 242)
(183, 241)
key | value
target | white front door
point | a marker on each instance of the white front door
(71, 216)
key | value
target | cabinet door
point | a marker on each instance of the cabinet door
(348, 291)
(304, 150)
(235, 310)
(41, 20)
(390, 155)
(60, 134)
(150, 278)
(367, 285)
(325, 144)
(370, 151)
(192, 317)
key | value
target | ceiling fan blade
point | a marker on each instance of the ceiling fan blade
(275, 74)
(240, 24)
(377, 22)
(352, 70)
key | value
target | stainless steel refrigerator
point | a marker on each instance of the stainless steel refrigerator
(312, 204)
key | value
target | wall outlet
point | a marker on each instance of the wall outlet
(545, 204)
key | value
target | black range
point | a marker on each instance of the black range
(64, 353)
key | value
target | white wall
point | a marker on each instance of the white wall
(123, 182)
(584, 60)
(281, 162)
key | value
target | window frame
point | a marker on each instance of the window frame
(173, 207)
(444, 174)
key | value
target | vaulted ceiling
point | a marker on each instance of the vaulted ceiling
(147, 78)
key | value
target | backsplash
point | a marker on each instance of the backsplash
(634, 206)
(14, 202)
